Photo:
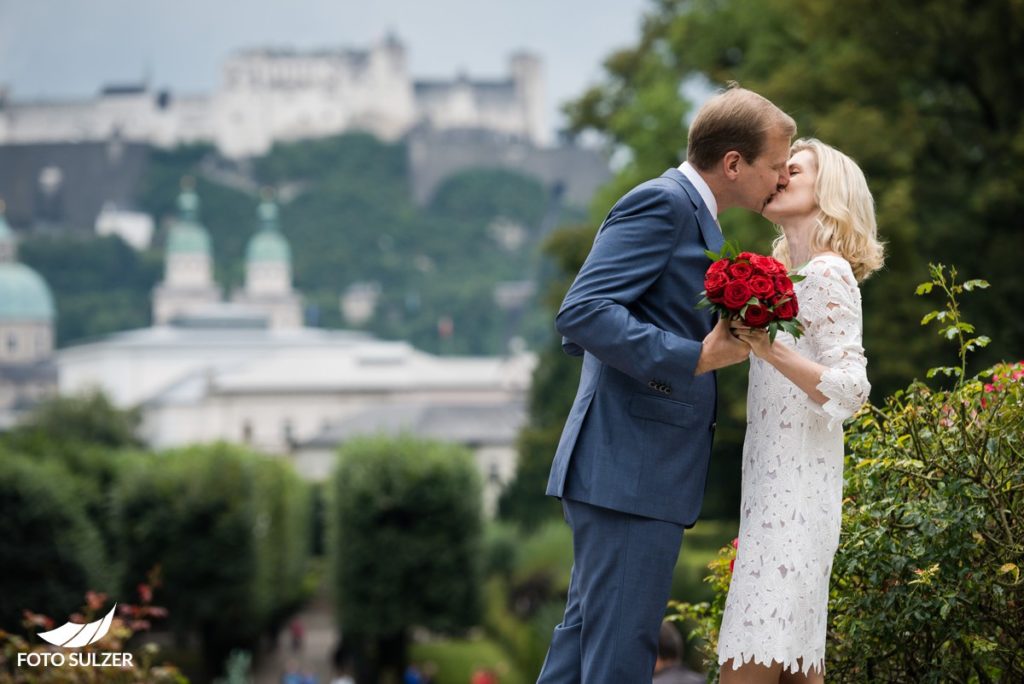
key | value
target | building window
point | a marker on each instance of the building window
(12, 343)
(247, 432)
(494, 474)
(288, 430)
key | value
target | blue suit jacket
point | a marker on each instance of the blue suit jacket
(639, 434)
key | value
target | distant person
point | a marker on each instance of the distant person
(669, 668)
(298, 633)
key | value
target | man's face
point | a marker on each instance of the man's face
(766, 175)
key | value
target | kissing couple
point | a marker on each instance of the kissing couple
(632, 462)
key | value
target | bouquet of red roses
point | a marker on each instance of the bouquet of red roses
(752, 288)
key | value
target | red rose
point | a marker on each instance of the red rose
(775, 267)
(746, 255)
(714, 285)
(787, 310)
(719, 266)
(741, 270)
(783, 285)
(736, 294)
(762, 287)
(757, 316)
(732, 565)
(762, 264)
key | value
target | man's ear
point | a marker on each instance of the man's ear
(731, 164)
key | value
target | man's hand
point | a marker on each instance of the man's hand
(721, 349)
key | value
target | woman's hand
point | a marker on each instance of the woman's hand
(755, 338)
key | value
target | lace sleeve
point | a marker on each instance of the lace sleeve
(830, 303)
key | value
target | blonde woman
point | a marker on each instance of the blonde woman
(800, 392)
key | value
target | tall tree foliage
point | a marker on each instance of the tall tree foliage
(406, 548)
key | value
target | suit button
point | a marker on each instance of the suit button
(652, 385)
(714, 424)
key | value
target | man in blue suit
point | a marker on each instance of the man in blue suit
(632, 462)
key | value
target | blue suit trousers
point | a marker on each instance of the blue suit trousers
(618, 591)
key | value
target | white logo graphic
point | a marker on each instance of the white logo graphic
(74, 635)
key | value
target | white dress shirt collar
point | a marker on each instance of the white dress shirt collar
(702, 187)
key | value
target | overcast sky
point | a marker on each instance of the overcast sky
(61, 48)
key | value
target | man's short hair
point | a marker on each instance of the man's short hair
(735, 119)
(670, 643)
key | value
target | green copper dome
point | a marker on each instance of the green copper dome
(188, 236)
(268, 245)
(24, 295)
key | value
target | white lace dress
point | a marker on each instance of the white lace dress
(793, 482)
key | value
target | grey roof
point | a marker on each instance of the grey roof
(44, 370)
(470, 424)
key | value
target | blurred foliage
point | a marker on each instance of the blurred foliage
(405, 544)
(49, 547)
(926, 585)
(99, 284)
(456, 660)
(83, 505)
(928, 98)
(229, 529)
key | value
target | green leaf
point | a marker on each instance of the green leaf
(1008, 568)
(971, 284)
(923, 288)
(928, 318)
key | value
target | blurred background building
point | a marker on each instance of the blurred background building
(270, 95)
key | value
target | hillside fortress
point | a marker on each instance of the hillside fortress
(270, 95)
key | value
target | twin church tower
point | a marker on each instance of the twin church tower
(189, 294)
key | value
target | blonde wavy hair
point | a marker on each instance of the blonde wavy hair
(846, 220)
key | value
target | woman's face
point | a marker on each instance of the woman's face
(796, 200)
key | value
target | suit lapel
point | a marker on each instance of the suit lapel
(713, 237)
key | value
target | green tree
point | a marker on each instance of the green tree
(230, 532)
(100, 284)
(405, 542)
(50, 550)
